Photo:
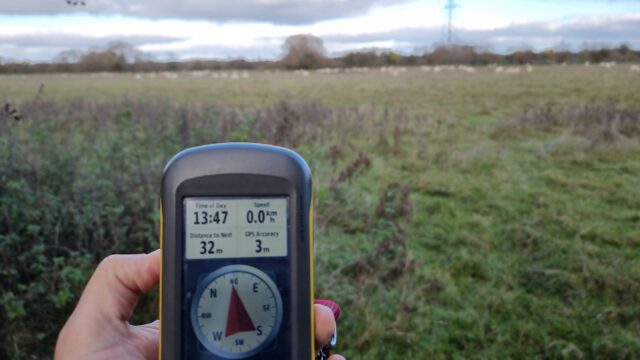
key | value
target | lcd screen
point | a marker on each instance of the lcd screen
(222, 228)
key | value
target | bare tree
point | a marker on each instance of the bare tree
(107, 60)
(129, 52)
(71, 56)
(304, 52)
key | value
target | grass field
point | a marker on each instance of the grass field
(459, 215)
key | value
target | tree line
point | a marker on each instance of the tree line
(308, 52)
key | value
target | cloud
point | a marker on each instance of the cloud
(539, 35)
(252, 52)
(253, 42)
(272, 11)
(74, 41)
(43, 47)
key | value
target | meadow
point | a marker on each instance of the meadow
(460, 213)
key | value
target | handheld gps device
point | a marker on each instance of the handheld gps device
(237, 254)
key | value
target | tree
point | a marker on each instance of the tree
(454, 54)
(68, 57)
(130, 53)
(304, 52)
(116, 56)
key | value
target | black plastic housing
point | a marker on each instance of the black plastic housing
(237, 170)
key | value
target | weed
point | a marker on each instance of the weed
(394, 202)
(362, 162)
(335, 153)
(9, 112)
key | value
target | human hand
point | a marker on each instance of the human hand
(99, 326)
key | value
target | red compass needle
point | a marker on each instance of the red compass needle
(238, 319)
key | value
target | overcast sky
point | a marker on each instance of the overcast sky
(37, 30)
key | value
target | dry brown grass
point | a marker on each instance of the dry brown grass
(599, 123)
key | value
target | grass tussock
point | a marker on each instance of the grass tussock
(599, 124)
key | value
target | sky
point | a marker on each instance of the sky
(38, 30)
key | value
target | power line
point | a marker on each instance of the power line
(451, 6)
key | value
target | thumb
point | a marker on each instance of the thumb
(147, 337)
(118, 281)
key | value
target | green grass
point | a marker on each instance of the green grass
(505, 244)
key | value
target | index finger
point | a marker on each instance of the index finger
(325, 325)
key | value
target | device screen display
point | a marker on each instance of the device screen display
(222, 228)
(236, 278)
